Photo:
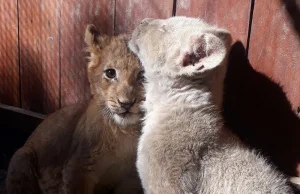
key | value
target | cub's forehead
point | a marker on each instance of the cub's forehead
(124, 63)
(117, 54)
(120, 58)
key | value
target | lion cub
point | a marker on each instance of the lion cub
(89, 146)
(184, 147)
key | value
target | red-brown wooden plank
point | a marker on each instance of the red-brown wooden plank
(39, 54)
(129, 13)
(230, 14)
(75, 15)
(9, 65)
(275, 46)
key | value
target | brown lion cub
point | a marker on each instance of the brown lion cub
(89, 146)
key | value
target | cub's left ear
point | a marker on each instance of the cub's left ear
(94, 40)
(205, 51)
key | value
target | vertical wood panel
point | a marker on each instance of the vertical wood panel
(9, 65)
(230, 14)
(255, 107)
(75, 15)
(129, 13)
(39, 54)
(275, 46)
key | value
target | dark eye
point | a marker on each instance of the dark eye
(140, 76)
(110, 73)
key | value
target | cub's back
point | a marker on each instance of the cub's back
(58, 127)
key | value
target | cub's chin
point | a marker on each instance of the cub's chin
(126, 118)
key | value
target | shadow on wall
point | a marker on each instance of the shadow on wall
(32, 83)
(258, 111)
(9, 80)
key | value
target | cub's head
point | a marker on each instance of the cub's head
(179, 46)
(115, 76)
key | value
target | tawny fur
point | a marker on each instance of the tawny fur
(89, 146)
(184, 148)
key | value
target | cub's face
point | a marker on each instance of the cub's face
(115, 77)
(179, 46)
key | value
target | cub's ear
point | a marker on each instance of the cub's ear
(93, 39)
(205, 51)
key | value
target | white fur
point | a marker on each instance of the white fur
(295, 181)
(184, 147)
(127, 120)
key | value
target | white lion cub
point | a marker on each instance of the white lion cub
(184, 147)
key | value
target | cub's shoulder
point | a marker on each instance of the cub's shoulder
(58, 125)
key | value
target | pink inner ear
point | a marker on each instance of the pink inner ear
(200, 52)
(187, 60)
(200, 68)
(192, 58)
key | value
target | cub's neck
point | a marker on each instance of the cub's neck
(181, 92)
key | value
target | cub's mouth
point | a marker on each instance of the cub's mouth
(137, 33)
(133, 41)
(125, 113)
(125, 108)
(126, 117)
(132, 45)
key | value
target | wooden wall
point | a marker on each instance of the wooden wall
(43, 65)
(274, 46)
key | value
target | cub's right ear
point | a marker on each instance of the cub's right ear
(204, 51)
(93, 39)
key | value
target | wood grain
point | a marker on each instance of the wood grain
(129, 13)
(9, 65)
(75, 15)
(230, 14)
(275, 45)
(39, 55)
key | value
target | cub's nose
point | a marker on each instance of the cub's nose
(146, 20)
(126, 104)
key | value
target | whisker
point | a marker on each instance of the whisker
(106, 112)
(113, 106)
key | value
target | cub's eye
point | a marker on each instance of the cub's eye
(110, 73)
(140, 76)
